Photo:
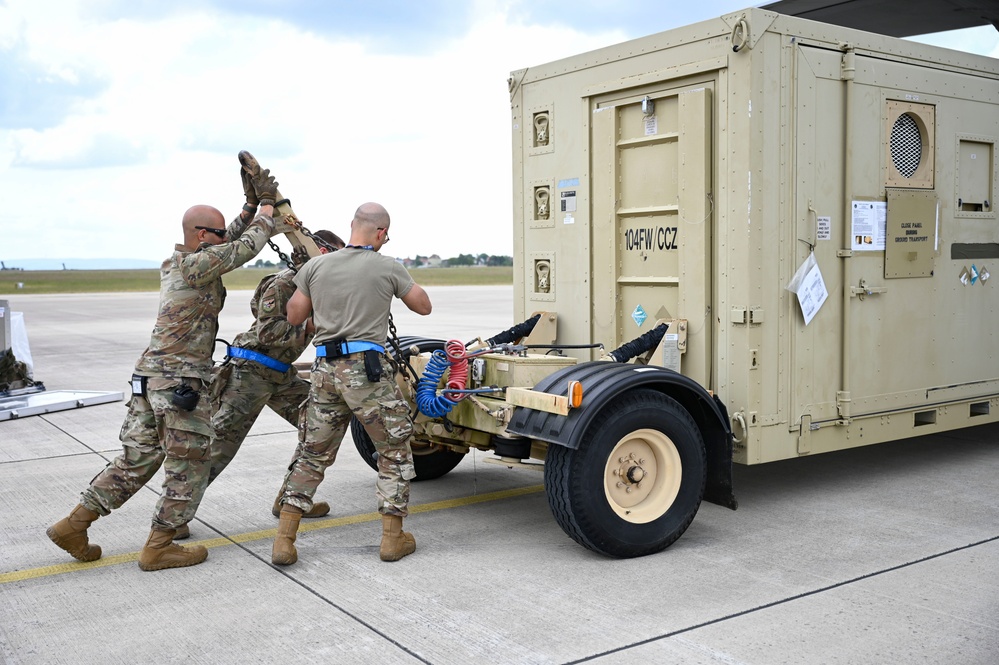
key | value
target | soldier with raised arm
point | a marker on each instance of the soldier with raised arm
(168, 420)
(260, 370)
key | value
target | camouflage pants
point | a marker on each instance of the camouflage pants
(340, 389)
(244, 390)
(157, 433)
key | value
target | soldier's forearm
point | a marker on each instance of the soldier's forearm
(239, 224)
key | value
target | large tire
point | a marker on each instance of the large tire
(635, 482)
(430, 460)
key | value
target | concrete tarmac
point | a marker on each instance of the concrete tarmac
(884, 554)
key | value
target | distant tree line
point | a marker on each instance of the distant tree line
(462, 260)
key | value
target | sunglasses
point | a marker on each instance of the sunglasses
(219, 232)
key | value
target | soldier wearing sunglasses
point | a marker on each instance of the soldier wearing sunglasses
(260, 372)
(169, 420)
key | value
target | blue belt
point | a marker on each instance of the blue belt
(266, 361)
(338, 349)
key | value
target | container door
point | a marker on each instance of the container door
(652, 220)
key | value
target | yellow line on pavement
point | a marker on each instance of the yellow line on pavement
(312, 525)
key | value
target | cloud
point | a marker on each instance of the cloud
(90, 151)
(35, 97)
(138, 108)
(982, 40)
(387, 26)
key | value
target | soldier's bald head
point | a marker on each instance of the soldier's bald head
(371, 216)
(202, 215)
(369, 221)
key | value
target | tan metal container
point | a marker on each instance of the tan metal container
(692, 173)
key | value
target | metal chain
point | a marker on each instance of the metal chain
(396, 345)
(319, 241)
(398, 358)
(394, 336)
(284, 257)
(316, 239)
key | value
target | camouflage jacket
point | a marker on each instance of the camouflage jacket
(191, 297)
(271, 333)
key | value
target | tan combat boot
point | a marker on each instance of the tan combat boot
(318, 509)
(70, 533)
(183, 532)
(396, 543)
(159, 552)
(284, 552)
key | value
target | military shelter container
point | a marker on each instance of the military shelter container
(812, 206)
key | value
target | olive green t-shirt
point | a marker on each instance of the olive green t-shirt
(351, 292)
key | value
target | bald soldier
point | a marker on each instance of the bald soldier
(260, 371)
(349, 294)
(168, 420)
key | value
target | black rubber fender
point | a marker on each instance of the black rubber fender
(602, 381)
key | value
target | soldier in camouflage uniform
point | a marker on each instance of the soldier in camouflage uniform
(168, 421)
(260, 373)
(349, 294)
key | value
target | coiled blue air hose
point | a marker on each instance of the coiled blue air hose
(428, 401)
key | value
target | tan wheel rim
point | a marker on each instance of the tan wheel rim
(642, 477)
(420, 448)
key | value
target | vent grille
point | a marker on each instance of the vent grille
(906, 145)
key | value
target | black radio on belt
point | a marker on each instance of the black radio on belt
(373, 365)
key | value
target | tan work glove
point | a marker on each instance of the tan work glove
(299, 256)
(265, 187)
(251, 195)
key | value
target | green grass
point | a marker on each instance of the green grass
(462, 275)
(244, 279)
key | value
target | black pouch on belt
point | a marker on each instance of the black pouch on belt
(373, 365)
(185, 397)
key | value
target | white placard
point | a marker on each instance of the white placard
(651, 125)
(823, 228)
(671, 354)
(868, 228)
(810, 288)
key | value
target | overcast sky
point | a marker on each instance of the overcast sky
(116, 115)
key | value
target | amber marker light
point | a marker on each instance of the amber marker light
(575, 394)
